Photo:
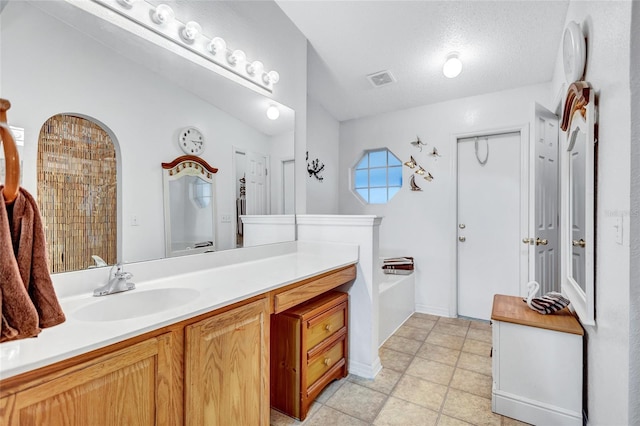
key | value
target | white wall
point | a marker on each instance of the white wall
(607, 26)
(323, 139)
(280, 151)
(419, 224)
(634, 287)
(67, 72)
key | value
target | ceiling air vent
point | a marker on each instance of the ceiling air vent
(381, 78)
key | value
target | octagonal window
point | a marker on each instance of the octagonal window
(377, 176)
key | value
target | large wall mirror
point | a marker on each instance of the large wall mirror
(578, 201)
(57, 58)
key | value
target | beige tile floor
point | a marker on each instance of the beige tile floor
(435, 371)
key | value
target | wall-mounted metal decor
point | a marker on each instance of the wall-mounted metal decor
(420, 170)
(414, 186)
(315, 168)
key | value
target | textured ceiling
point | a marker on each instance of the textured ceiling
(503, 45)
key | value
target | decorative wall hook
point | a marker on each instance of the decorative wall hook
(414, 186)
(315, 168)
(418, 143)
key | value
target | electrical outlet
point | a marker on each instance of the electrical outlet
(226, 218)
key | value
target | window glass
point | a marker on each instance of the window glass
(377, 176)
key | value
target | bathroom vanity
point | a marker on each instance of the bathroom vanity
(203, 363)
(537, 364)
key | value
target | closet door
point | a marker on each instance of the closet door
(489, 221)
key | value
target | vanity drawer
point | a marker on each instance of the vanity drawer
(323, 362)
(309, 349)
(326, 325)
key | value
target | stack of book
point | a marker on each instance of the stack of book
(398, 265)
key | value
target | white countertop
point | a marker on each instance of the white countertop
(219, 286)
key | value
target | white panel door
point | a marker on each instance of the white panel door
(544, 234)
(489, 225)
(257, 183)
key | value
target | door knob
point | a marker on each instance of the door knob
(527, 240)
(462, 239)
(462, 226)
(541, 242)
(579, 243)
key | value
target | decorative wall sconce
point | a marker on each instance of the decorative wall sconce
(161, 20)
(315, 168)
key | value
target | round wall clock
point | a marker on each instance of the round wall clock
(574, 52)
(191, 141)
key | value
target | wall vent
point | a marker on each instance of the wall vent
(381, 78)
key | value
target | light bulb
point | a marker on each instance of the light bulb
(452, 66)
(217, 45)
(162, 14)
(271, 77)
(255, 68)
(274, 77)
(273, 112)
(237, 56)
(190, 31)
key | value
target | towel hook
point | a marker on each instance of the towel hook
(12, 166)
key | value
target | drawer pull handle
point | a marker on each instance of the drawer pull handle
(327, 327)
(327, 361)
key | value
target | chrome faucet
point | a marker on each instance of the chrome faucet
(118, 281)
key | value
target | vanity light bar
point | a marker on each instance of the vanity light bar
(161, 20)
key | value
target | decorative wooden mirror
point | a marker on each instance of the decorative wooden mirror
(189, 206)
(578, 201)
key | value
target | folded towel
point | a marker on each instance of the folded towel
(19, 316)
(30, 248)
(548, 304)
(27, 299)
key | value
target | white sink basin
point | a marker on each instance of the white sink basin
(135, 303)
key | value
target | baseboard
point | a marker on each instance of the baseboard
(533, 412)
(432, 310)
(364, 370)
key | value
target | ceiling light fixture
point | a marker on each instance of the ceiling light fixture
(452, 66)
(273, 112)
(161, 21)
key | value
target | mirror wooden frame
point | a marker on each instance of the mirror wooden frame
(579, 117)
(187, 165)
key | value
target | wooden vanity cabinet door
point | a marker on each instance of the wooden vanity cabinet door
(227, 368)
(126, 387)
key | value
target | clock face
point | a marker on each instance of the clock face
(191, 141)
